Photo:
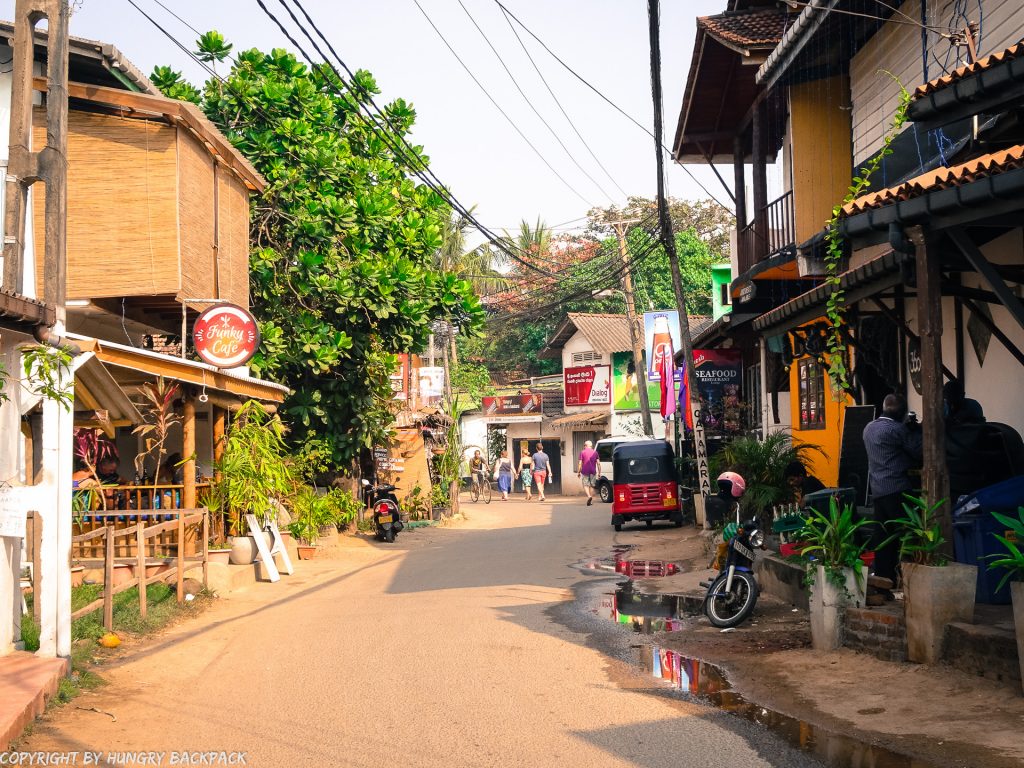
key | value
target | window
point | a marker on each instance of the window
(726, 295)
(812, 394)
(579, 358)
(645, 466)
(604, 450)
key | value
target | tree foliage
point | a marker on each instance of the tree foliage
(342, 267)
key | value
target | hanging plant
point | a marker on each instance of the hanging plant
(835, 308)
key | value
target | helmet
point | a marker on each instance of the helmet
(730, 481)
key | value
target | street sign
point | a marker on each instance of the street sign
(15, 504)
(226, 336)
(512, 405)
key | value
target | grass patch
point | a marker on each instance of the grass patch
(163, 610)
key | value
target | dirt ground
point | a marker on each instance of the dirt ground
(936, 713)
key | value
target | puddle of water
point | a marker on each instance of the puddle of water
(645, 614)
(707, 681)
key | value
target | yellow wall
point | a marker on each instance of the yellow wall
(821, 150)
(824, 466)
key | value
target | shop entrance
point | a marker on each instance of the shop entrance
(552, 447)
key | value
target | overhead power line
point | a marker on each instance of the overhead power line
(615, 106)
(531, 104)
(497, 106)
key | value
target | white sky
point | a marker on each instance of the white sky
(471, 146)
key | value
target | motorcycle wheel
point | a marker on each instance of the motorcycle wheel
(389, 535)
(728, 609)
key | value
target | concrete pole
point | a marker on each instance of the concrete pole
(631, 319)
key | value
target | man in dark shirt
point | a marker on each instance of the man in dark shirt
(800, 482)
(893, 449)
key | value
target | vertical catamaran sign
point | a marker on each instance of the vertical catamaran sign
(226, 336)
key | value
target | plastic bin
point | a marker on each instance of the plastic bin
(973, 542)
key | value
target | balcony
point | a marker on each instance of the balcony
(773, 230)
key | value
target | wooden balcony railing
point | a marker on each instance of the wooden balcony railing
(772, 230)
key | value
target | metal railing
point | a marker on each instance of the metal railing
(778, 232)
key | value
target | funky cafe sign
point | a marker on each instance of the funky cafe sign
(226, 336)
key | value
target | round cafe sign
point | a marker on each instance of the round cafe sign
(226, 336)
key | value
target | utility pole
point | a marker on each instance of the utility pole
(669, 242)
(631, 319)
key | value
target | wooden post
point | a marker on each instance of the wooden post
(935, 477)
(206, 548)
(219, 424)
(760, 186)
(181, 556)
(634, 336)
(740, 193)
(140, 565)
(188, 432)
(108, 578)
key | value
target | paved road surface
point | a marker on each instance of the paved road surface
(441, 650)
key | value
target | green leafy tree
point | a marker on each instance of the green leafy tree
(342, 265)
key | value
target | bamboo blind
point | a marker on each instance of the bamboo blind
(122, 206)
(234, 240)
(195, 203)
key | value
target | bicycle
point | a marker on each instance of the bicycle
(480, 487)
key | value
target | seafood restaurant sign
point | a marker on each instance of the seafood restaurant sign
(226, 336)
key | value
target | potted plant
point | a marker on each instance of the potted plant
(936, 590)
(1012, 561)
(311, 512)
(836, 574)
(253, 469)
(218, 552)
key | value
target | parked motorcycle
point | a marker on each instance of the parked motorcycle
(732, 595)
(387, 517)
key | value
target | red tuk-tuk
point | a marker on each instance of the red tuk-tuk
(646, 484)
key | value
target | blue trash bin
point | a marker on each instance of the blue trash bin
(973, 542)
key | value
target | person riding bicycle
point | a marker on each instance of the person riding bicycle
(478, 469)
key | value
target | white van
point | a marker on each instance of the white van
(604, 448)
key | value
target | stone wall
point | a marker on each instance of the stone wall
(880, 633)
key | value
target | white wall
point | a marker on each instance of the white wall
(996, 383)
(897, 48)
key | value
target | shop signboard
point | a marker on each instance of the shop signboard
(226, 336)
(431, 384)
(588, 385)
(661, 338)
(512, 405)
(719, 374)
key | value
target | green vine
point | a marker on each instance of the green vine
(835, 309)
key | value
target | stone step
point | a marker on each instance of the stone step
(983, 650)
(27, 682)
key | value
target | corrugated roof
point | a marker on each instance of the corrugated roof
(1013, 52)
(606, 333)
(985, 166)
(747, 29)
(578, 419)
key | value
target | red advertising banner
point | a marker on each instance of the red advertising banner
(226, 336)
(512, 405)
(588, 385)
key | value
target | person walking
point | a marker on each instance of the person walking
(542, 470)
(893, 448)
(478, 469)
(503, 474)
(526, 475)
(589, 470)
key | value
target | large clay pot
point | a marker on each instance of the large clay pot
(1017, 593)
(828, 604)
(77, 575)
(243, 549)
(123, 573)
(219, 556)
(935, 597)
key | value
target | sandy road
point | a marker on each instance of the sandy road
(439, 650)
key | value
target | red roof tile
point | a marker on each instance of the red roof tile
(1013, 52)
(943, 178)
(747, 29)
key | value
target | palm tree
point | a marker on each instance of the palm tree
(532, 242)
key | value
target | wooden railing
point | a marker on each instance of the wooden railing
(777, 222)
(132, 497)
(139, 536)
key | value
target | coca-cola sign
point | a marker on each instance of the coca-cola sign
(226, 336)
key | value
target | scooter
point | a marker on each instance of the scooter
(732, 595)
(387, 517)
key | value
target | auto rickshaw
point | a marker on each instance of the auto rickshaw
(646, 484)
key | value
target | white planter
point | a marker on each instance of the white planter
(1017, 593)
(829, 602)
(935, 597)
